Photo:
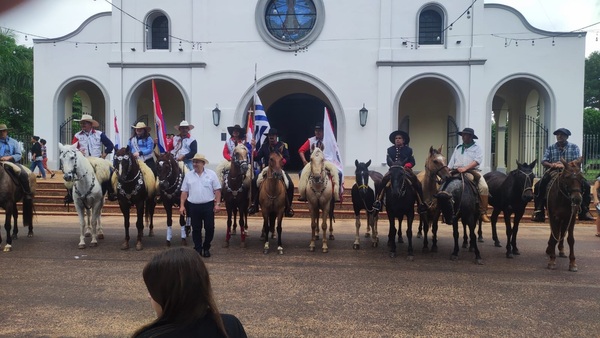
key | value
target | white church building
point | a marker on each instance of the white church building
(430, 68)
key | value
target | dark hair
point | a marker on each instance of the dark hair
(36, 138)
(178, 281)
(145, 134)
(42, 141)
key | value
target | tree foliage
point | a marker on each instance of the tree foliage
(591, 121)
(16, 84)
(591, 93)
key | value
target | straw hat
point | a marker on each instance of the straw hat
(4, 127)
(200, 157)
(185, 123)
(88, 118)
(141, 125)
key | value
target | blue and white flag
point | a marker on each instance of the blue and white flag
(261, 122)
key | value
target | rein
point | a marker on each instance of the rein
(175, 186)
(575, 208)
(122, 180)
(77, 178)
(241, 175)
(527, 180)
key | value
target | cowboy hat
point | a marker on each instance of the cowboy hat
(237, 127)
(401, 133)
(468, 131)
(185, 123)
(319, 125)
(272, 131)
(4, 127)
(141, 125)
(200, 157)
(88, 118)
(563, 131)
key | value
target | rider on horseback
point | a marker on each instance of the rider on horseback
(10, 151)
(262, 156)
(401, 152)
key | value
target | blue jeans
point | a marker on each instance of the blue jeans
(39, 165)
(188, 164)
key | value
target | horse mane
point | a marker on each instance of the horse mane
(102, 168)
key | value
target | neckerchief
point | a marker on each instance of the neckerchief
(465, 146)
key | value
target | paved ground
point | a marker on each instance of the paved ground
(51, 288)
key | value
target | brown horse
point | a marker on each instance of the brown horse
(436, 170)
(11, 192)
(563, 200)
(170, 177)
(319, 194)
(272, 198)
(236, 188)
(135, 184)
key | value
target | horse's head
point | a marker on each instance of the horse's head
(166, 167)
(523, 178)
(68, 158)
(362, 175)
(447, 198)
(397, 178)
(240, 157)
(436, 164)
(317, 166)
(571, 180)
(276, 164)
(123, 162)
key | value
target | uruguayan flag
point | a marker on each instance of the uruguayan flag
(261, 123)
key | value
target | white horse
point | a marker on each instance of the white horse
(87, 190)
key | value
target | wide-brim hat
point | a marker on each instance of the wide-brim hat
(468, 131)
(200, 157)
(319, 126)
(185, 123)
(88, 118)
(272, 131)
(141, 125)
(402, 133)
(4, 127)
(563, 131)
(237, 127)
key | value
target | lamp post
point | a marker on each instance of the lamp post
(363, 113)
(216, 115)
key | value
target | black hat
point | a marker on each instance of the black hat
(403, 134)
(272, 131)
(237, 127)
(562, 130)
(319, 125)
(468, 131)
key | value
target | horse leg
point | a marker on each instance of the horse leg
(472, 224)
(235, 225)
(494, 221)
(424, 228)
(314, 227)
(375, 238)
(7, 225)
(465, 237)
(400, 239)
(94, 222)
(279, 245)
(409, 220)
(243, 223)
(434, 230)
(125, 211)
(455, 235)
(509, 236)
(480, 231)
(139, 224)
(88, 223)
(551, 250)
(356, 245)
(325, 213)
(515, 231)
(229, 221)
(169, 212)
(150, 206)
(15, 217)
(571, 241)
(99, 229)
(392, 236)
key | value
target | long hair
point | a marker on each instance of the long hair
(178, 281)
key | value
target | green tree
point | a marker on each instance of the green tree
(16, 84)
(591, 121)
(591, 92)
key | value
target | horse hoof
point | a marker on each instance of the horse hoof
(30, 234)
(81, 246)
(125, 246)
(367, 235)
(552, 266)
(573, 268)
(138, 246)
(312, 249)
(453, 258)
(392, 254)
(479, 261)
(419, 235)
(226, 245)
(356, 246)
(480, 240)
(471, 249)
(184, 242)
(562, 255)
(265, 251)
(465, 245)
(7, 248)
(410, 258)
(400, 240)
(280, 250)
(88, 234)
(325, 250)
(94, 245)
(509, 255)
(233, 232)
(100, 236)
(497, 244)
(331, 238)
(375, 244)
(516, 252)
(168, 244)
(316, 237)
(434, 249)
(151, 233)
(15, 237)
(425, 250)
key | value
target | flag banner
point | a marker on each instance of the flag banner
(161, 131)
(249, 127)
(332, 152)
(261, 123)
(116, 136)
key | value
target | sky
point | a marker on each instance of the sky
(55, 18)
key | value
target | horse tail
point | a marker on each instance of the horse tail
(28, 210)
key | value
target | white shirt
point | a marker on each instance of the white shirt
(201, 188)
(459, 159)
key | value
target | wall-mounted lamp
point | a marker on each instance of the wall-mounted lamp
(363, 113)
(180, 49)
(216, 114)
(404, 43)
(133, 49)
(458, 42)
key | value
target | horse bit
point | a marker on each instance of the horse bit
(140, 180)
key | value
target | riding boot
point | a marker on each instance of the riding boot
(483, 205)
(68, 197)
(289, 212)
(24, 180)
(584, 214)
(421, 207)
(539, 199)
(254, 207)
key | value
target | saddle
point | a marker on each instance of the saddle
(18, 175)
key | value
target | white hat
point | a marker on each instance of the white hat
(185, 123)
(141, 125)
(88, 118)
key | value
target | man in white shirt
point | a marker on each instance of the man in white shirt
(200, 200)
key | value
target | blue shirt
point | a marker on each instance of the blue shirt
(570, 152)
(10, 147)
(144, 146)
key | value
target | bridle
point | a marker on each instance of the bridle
(76, 178)
(170, 189)
(241, 176)
(122, 179)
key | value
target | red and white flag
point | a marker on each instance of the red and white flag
(116, 136)
(161, 132)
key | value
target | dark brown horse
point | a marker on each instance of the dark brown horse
(510, 194)
(236, 188)
(563, 199)
(436, 170)
(170, 177)
(11, 192)
(364, 191)
(272, 198)
(135, 184)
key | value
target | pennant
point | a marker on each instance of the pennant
(116, 136)
(161, 132)
(261, 122)
(331, 151)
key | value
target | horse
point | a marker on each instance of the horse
(135, 184)
(88, 188)
(170, 177)
(458, 198)
(235, 192)
(320, 198)
(436, 170)
(563, 200)
(364, 191)
(400, 201)
(272, 198)
(510, 194)
(11, 192)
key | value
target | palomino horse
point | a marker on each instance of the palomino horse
(170, 177)
(399, 202)
(12, 191)
(272, 198)
(563, 199)
(364, 191)
(319, 194)
(458, 198)
(436, 170)
(135, 184)
(510, 194)
(236, 180)
(88, 195)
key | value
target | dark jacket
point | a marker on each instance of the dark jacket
(401, 154)
(265, 150)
